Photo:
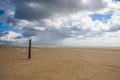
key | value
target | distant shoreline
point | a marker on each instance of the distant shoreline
(114, 48)
(60, 46)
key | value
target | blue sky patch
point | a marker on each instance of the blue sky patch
(7, 28)
(101, 17)
(2, 12)
(116, 0)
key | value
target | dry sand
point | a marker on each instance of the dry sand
(60, 63)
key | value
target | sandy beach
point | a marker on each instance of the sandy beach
(60, 63)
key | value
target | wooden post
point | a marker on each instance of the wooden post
(29, 50)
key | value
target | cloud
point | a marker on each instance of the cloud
(43, 9)
(60, 22)
(51, 36)
(28, 32)
(2, 33)
(7, 6)
(9, 36)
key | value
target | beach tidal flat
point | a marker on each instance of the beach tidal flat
(60, 63)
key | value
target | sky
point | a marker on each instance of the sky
(60, 22)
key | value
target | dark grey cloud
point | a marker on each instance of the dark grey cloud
(52, 36)
(7, 7)
(42, 9)
(114, 28)
(28, 32)
(3, 33)
(12, 21)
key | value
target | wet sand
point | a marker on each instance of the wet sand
(60, 63)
